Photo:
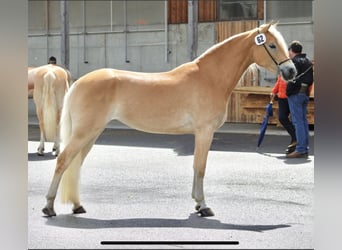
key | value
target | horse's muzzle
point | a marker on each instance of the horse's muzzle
(288, 70)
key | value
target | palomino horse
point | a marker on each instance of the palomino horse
(50, 83)
(31, 71)
(190, 99)
(30, 81)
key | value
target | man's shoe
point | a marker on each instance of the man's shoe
(296, 154)
(291, 148)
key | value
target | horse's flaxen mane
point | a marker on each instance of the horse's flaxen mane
(216, 46)
(273, 30)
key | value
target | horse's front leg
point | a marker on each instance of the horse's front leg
(202, 145)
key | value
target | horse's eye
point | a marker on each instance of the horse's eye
(272, 46)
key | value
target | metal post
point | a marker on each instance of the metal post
(85, 60)
(125, 25)
(47, 29)
(265, 11)
(166, 34)
(65, 33)
(192, 28)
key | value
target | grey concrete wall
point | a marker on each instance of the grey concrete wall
(146, 50)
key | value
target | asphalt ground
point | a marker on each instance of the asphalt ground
(136, 188)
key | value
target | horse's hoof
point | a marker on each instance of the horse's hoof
(40, 153)
(49, 212)
(206, 212)
(197, 207)
(55, 153)
(79, 210)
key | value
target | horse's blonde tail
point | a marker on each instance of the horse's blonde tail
(70, 178)
(70, 181)
(49, 106)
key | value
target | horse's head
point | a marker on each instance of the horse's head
(271, 51)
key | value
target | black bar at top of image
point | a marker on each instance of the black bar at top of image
(169, 242)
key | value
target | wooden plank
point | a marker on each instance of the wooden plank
(259, 90)
(252, 101)
(229, 28)
(260, 9)
(177, 11)
(207, 10)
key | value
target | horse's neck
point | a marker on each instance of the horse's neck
(226, 62)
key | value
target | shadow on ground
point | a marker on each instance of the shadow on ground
(194, 221)
(184, 144)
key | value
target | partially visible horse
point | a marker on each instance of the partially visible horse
(50, 83)
(190, 99)
(30, 81)
(31, 71)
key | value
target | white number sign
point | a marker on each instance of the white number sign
(260, 39)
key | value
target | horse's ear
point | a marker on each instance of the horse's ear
(265, 27)
(274, 23)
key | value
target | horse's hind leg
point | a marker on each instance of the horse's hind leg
(56, 149)
(80, 144)
(77, 207)
(56, 145)
(40, 150)
(203, 141)
(63, 160)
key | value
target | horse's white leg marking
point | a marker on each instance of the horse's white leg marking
(51, 195)
(197, 191)
(203, 141)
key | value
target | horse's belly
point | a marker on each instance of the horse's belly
(161, 124)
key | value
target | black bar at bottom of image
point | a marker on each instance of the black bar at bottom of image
(169, 242)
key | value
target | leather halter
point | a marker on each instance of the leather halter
(269, 53)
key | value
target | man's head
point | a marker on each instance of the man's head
(295, 48)
(52, 60)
